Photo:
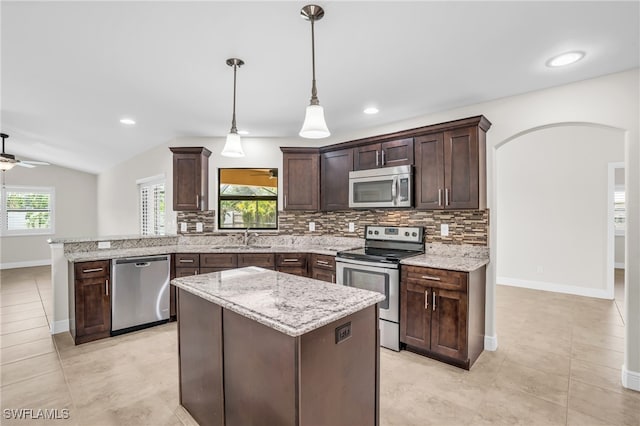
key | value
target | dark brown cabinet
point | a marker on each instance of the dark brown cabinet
(263, 260)
(292, 263)
(384, 154)
(334, 179)
(301, 178)
(90, 307)
(214, 262)
(323, 267)
(451, 168)
(190, 178)
(442, 313)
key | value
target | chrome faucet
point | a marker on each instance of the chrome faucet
(247, 237)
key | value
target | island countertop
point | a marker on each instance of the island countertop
(287, 303)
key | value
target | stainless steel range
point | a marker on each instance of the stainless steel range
(376, 267)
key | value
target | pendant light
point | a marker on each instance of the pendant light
(233, 146)
(314, 126)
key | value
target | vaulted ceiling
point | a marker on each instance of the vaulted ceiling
(72, 70)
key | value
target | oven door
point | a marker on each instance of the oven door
(384, 279)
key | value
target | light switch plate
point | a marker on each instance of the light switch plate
(183, 226)
(352, 227)
(444, 230)
(199, 227)
(104, 244)
(312, 226)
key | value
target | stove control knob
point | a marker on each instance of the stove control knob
(406, 234)
(376, 232)
(370, 232)
(414, 234)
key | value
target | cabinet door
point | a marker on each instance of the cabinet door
(449, 324)
(301, 181)
(218, 260)
(186, 272)
(461, 168)
(397, 153)
(190, 178)
(323, 275)
(415, 315)
(429, 179)
(263, 260)
(334, 177)
(93, 307)
(367, 157)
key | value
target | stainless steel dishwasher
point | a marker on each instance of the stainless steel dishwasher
(140, 292)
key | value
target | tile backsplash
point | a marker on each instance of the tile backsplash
(465, 226)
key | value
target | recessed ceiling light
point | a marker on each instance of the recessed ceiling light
(565, 59)
(127, 121)
(371, 110)
(243, 132)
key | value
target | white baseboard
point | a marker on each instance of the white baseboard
(59, 326)
(490, 343)
(598, 293)
(25, 264)
(630, 379)
(619, 265)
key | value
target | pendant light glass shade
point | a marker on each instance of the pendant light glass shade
(314, 126)
(233, 146)
(7, 165)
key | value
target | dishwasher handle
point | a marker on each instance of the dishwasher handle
(142, 264)
(142, 260)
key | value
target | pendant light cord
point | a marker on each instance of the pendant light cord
(233, 119)
(314, 91)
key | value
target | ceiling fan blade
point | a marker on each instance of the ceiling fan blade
(36, 163)
(23, 164)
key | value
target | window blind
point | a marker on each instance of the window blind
(27, 210)
(152, 208)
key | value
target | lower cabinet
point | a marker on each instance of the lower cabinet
(442, 313)
(263, 260)
(90, 301)
(292, 263)
(323, 267)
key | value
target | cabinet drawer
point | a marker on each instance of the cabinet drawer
(437, 278)
(186, 272)
(218, 260)
(291, 260)
(187, 260)
(323, 261)
(264, 260)
(84, 270)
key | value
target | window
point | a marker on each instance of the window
(27, 210)
(152, 209)
(619, 210)
(248, 198)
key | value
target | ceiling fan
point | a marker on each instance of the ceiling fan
(7, 161)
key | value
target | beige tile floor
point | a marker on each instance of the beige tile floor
(558, 363)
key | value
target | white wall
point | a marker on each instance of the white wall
(75, 212)
(619, 239)
(553, 203)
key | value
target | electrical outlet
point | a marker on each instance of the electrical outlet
(444, 230)
(183, 226)
(312, 226)
(104, 244)
(343, 332)
(352, 227)
(199, 227)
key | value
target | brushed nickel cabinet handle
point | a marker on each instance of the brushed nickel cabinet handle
(429, 277)
(322, 262)
(433, 294)
(106, 287)
(376, 158)
(426, 299)
(185, 261)
(86, 271)
(285, 201)
(290, 260)
(382, 156)
(440, 196)
(446, 196)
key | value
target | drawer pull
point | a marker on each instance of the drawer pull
(322, 262)
(106, 287)
(86, 271)
(426, 299)
(433, 295)
(432, 278)
(290, 260)
(185, 260)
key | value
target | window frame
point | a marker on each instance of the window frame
(245, 198)
(4, 222)
(151, 182)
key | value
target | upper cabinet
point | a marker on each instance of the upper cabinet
(450, 168)
(190, 178)
(334, 179)
(301, 178)
(384, 154)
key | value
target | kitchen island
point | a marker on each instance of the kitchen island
(264, 347)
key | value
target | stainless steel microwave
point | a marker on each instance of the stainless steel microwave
(384, 187)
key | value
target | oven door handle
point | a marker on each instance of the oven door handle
(364, 265)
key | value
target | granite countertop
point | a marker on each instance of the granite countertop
(287, 303)
(452, 263)
(189, 248)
